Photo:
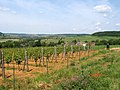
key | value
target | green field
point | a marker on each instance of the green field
(90, 38)
(4, 40)
(69, 39)
(57, 40)
(81, 38)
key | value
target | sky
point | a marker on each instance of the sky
(59, 16)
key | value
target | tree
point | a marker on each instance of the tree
(107, 33)
(103, 42)
(0, 45)
(43, 43)
(0, 33)
(74, 41)
(38, 43)
(60, 41)
(51, 44)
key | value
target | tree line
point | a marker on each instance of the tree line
(29, 43)
(40, 42)
(111, 42)
(107, 33)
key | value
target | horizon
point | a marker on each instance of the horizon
(57, 33)
(59, 16)
(41, 33)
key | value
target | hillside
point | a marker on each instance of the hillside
(1, 34)
(97, 71)
(24, 35)
(107, 33)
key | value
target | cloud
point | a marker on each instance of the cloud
(74, 29)
(98, 28)
(6, 9)
(102, 8)
(14, 12)
(98, 23)
(107, 22)
(41, 12)
(117, 24)
(104, 0)
(105, 15)
(57, 16)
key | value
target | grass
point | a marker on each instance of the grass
(97, 72)
(109, 79)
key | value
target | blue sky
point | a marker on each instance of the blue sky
(59, 16)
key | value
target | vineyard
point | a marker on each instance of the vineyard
(21, 63)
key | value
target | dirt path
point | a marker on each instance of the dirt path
(115, 49)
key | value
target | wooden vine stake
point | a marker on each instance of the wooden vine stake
(88, 52)
(39, 59)
(26, 61)
(79, 51)
(67, 62)
(2, 64)
(55, 54)
(13, 71)
(64, 52)
(26, 56)
(89, 47)
(84, 46)
(47, 61)
(0, 58)
(42, 53)
(72, 50)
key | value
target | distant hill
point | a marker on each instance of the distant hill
(1, 34)
(20, 35)
(107, 33)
